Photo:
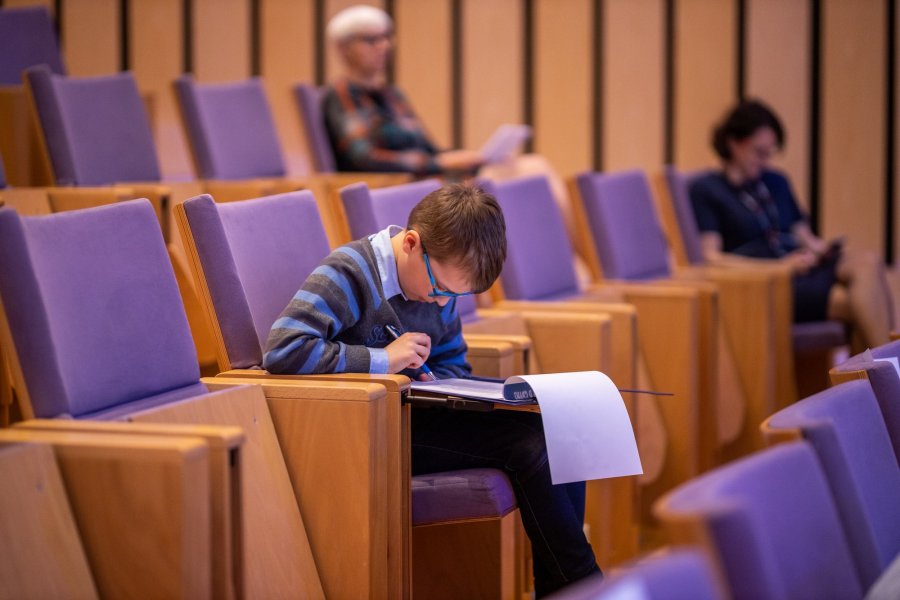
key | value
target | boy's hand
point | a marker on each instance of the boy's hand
(409, 351)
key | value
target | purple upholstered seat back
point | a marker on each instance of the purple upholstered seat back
(2, 174)
(628, 238)
(539, 255)
(774, 525)
(255, 254)
(885, 383)
(230, 129)
(309, 101)
(95, 128)
(677, 182)
(94, 309)
(371, 210)
(845, 427)
(678, 574)
(27, 39)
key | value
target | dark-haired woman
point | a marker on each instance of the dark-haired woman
(747, 211)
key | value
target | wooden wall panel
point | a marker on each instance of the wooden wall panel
(896, 166)
(287, 57)
(332, 7)
(563, 99)
(778, 73)
(852, 153)
(90, 37)
(221, 40)
(492, 57)
(155, 35)
(633, 84)
(422, 60)
(705, 76)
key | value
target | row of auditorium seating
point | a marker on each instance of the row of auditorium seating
(699, 432)
(768, 518)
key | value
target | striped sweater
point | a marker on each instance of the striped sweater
(335, 322)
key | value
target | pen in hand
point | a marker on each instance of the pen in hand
(392, 331)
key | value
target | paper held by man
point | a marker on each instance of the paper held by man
(588, 432)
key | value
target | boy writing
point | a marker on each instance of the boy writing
(454, 244)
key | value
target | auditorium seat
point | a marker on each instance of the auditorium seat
(626, 236)
(538, 274)
(845, 427)
(235, 148)
(95, 318)
(770, 522)
(133, 509)
(812, 343)
(563, 343)
(669, 574)
(876, 366)
(250, 258)
(27, 38)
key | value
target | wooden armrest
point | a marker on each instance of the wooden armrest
(522, 357)
(245, 189)
(491, 358)
(34, 509)
(773, 435)
(154, 490)
(224, 444)
(342, 438)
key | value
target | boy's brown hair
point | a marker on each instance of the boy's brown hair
(462, 225)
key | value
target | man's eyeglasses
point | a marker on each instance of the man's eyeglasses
(435, 292)
(373, 39)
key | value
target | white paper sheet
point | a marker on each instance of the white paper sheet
(586, 426)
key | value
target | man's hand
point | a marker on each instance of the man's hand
(409, 351)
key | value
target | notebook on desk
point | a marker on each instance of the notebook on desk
(504, 143)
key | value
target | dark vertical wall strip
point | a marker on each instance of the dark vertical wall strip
(389, 9)
(741, 54)
(528, 67)
(187, 29)
(891, 131)
(255, 38)
(456, 41)
(57, 10)
(319, 33)
(124, 37)
(815, 110)
(669, 49)
(598, 130)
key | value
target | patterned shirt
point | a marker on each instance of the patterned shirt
(376, 130)
(335, 322)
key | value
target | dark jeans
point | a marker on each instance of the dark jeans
(512, 441)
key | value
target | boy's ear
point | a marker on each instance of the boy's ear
(410, 240)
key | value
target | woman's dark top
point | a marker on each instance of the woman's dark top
(756, 220)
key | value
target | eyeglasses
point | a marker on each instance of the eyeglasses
(435, 292)
(373, 39)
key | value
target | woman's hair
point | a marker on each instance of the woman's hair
(743, 121)
(463, 225)
(355, 19)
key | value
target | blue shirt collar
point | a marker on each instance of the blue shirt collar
(386, 261)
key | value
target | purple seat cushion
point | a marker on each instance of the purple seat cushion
(230, 129)
(774, 525)
(94, 308)
(309, 101)
(255, 255)
(539, 256)
(818, 335)
(460, 495)
(27, 39)
(2, 174)
(95, 128)
(622, 218)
